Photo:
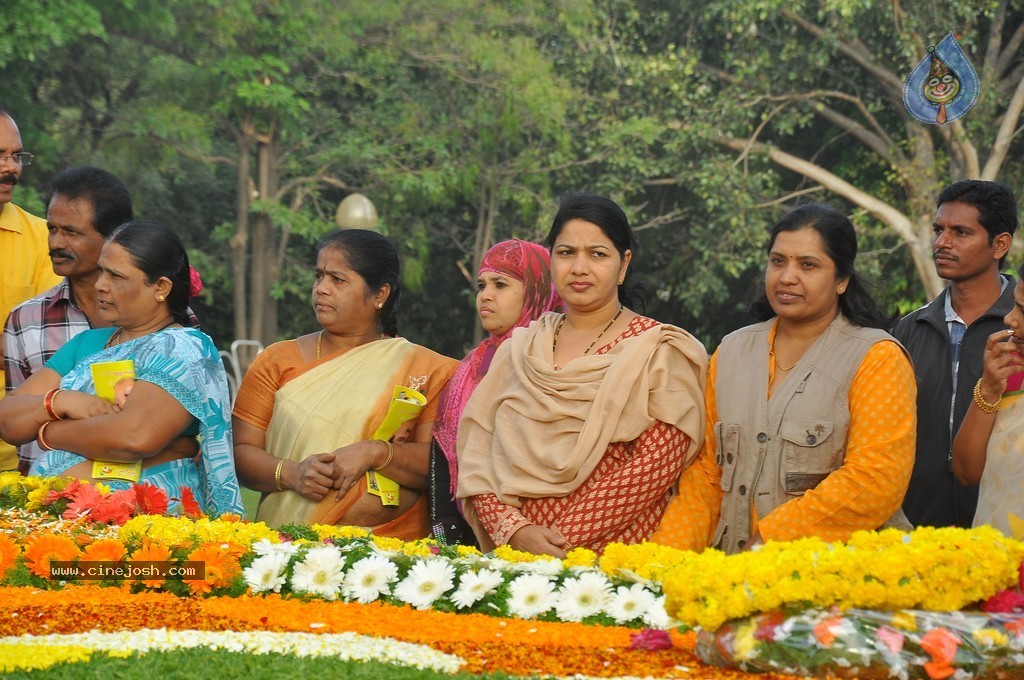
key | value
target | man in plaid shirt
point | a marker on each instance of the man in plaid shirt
(85, 206)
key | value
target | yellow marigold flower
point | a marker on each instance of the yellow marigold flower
(510, 554)
(327, 531)
(14, 657)
(34, 500)
(990, 637)
(9, 479)
(745, 644)
(419, 548)
(937, 569)
(467, 551)
(904, 620)
(386, 543)
(580, 557)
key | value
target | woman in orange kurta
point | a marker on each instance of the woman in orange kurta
(810, 287)
(578, 433)
(308, 414)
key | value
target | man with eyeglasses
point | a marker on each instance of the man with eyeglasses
(25, 269)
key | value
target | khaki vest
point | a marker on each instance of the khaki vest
(773, 450)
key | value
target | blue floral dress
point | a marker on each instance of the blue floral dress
(185, 363)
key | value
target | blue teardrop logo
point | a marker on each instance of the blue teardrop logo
(943, 86)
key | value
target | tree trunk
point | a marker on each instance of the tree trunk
(483, 239)
(240, 240)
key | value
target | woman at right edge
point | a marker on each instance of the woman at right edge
(811, 413)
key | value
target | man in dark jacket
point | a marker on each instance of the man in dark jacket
(974, 226)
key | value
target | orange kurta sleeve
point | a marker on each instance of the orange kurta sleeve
(690, 520)
(254, 403)
(870, 485)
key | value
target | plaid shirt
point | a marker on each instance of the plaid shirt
(35, 330)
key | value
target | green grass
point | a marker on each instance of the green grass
(205, 663)
(250, 499)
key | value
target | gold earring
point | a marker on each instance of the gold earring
(160, 298)
(621, 280)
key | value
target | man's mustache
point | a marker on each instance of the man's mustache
(9, 178)
(67, 254)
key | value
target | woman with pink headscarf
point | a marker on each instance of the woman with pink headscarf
(513, 288)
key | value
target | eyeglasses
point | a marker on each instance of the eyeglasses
(21, 158)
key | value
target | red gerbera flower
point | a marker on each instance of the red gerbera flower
(189, 505)
(152, 500)
(84, 500)
(69, 490)
(117, 508)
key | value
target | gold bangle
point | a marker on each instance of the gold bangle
(391, 455)
(39, 437)
(985, 406)
(277, 475)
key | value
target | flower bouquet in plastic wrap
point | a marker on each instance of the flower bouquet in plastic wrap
(870, 644)
(884, 604)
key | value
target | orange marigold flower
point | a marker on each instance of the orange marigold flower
(151, 551)
(221, 566)
(105, 550)
(152, 500)
(45, 548)
(8, 554)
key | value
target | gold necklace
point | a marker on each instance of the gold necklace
(320, 341)
(784, 368)
(779, 366)
(558, 329)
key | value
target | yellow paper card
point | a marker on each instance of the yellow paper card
(109, 469)
(406, 404)
(106, 374)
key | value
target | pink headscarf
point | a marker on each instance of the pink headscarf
(522, 261)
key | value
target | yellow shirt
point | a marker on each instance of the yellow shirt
(25, 271)
(863, 493)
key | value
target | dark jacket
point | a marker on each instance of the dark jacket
(935, 497)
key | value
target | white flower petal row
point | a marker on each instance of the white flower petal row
(344, 646)
(533, 588)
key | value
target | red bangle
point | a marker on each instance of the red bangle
(39, 437)
(48, 403)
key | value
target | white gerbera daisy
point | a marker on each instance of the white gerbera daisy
(369, 578)
(321, 572)
(474, 586)
(657, 617)
(266, 573)
(548, 566)
(427, 581)
(628, 604)
(265, 547)
(530, 595)
(582, 596)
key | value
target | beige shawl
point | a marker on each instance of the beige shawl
(530, 431)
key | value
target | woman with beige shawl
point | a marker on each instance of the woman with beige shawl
(580, 430)
(309, 413)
